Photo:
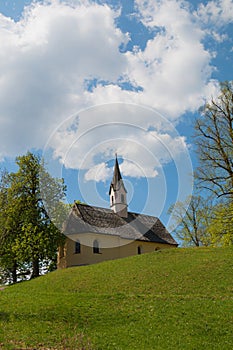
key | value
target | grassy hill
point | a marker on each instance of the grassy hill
(172, 299)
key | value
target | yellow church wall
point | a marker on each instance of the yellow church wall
(110, 247)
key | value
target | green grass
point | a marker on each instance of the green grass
(171, 299)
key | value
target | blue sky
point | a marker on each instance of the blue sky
(82, 80)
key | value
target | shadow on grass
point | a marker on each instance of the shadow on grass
(4, 316)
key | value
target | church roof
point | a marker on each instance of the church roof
(88, 219)
(117, 178)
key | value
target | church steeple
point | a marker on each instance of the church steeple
(117, 192)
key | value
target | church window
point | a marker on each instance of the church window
(122, 198)
(96, 248)
(77, 247)
(112, 199)
(139, 250)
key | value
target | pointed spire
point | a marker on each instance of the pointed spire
(116, 175)
(117, 192)
(117, 178)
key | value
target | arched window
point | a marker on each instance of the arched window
(96, 248)
(77, 247)
(139, 250)
(122, 198)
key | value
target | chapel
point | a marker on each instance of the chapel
(95, 234)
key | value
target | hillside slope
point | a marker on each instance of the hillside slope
(171, 299)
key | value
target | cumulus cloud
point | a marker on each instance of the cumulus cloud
(172, 73)
(45, 59)
(177, 65)
(218, 12)
(64, 56)
(144, 139)
(99, 172)
(128, 168)
(213, 16)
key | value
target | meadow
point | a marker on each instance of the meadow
(171, 299)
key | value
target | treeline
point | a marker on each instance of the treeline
(29, 232)
(206, 218)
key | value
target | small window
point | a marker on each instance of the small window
(139, 250)
(122, 198)
(96, 248)
(112, 199)
(77, 247)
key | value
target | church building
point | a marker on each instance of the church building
(96, 234)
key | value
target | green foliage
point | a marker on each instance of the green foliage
(171, 299)
(27, 231)
(8, 231)
(221, 224)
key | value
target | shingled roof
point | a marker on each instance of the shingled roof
(88, 219)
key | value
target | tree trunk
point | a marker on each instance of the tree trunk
(35, 268)
(14, 272)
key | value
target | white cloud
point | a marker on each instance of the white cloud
(48, 57)
(45, 59)
(213, 17)
(217, 13)
(99, 172)
(174, 69)
(178, 67)
(144, 139)
(128, 168)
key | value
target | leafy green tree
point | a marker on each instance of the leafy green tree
(214, 139)
(30, 227)
(191, 220)
(221, 224)
(8, 231)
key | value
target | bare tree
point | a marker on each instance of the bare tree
(214, 140)
(191, 220)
